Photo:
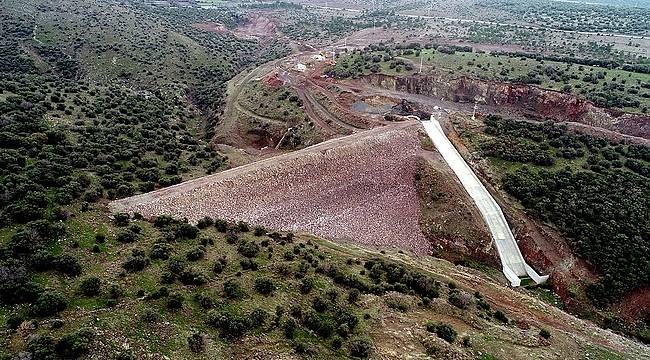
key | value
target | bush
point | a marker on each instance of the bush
(397, 304)
(231, 324)
(126, 237)
(136, 262)
(41, 347)
(219, 265)
(248, 264)
(90, 286)
(460, 299)
(204, 301)
(221, 225)
(175, 301)
(353, 296)
(205, 222)
(319, 304)
(258, 317)
(318, 323)
(196, 342)
(545, 333)
(444, 331)
(160, 251)
(191, 276)
(259, 231)
(149, 316)
(360, 348)
(74, 345)
(49, 303)
(68, 265)
(289, 328)
(248, 249)
(243, 226)
(264, 286)
(337, 342)
(121, 219)
(232, 290)
(195, 253)
(501, 316)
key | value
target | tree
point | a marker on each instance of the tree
(264, 286)
(90, 286)
(360, 348)
(49, 303)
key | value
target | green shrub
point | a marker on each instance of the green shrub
(460, 299)
(205, 222)
(231, 324)
(219, 265)
(397, 304)
(126, 237)
(318, 323)
(258, 317)
(149, 316)
(233, 290)
(196, 342)
(76, 344)
(136, 262)
(243, 226)
(221, 225)
(289, 328)
(195, 253)
(90, 286)
(353, 296)
(121, 219)
(320, 304)
(444, 331)
(160, 251)
(264, 285)
(259, 231)
(248, 264)
(501, 316)
(248, 249)
(175, 301)
(192, 276)
(545, 333)
(204, 301)
(337, 342)
(360, 348)
(49, 303)
(41, 347)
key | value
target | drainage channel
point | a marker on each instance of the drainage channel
(514, 265)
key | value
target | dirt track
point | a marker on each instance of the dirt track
(359, 187)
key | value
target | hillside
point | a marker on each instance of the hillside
(236, 179)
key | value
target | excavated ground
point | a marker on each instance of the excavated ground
(359, 188)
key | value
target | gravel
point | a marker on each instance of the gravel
(359, 188)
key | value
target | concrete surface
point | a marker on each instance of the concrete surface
(514, 265)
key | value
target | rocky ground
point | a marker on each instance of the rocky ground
(360, 187)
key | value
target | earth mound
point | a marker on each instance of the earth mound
(360, 187)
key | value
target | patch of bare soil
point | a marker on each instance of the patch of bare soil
(257, 26)
(211, 27)
(450, 220)
(359, 188)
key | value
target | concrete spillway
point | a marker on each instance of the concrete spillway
(514, 265)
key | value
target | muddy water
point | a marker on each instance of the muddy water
(364, 107)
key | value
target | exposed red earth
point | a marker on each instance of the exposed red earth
(358, 188)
